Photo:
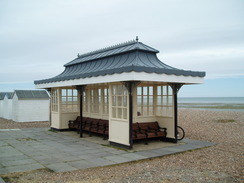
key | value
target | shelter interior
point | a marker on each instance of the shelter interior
(152, 101)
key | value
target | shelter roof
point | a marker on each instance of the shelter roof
(132, 56)
(31, 94)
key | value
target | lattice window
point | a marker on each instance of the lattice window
(145, 101)
(69, 100)
(119, 102)
(54, 100)
(85, 101)
(105, 100)
(164, 106)
(95, 100)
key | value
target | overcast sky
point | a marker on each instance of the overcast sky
(38, 37)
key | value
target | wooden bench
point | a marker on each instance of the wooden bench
(90, 125)
(74, 124)
(148, 130)
(137, 133)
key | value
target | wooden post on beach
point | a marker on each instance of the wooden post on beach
(81, 89)
(175, 87)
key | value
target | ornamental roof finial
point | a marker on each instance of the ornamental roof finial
(137, 39)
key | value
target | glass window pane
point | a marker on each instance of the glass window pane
(139, 100)
(113, 101)
(144, 100)
(150, 90)
(169, 90)
(69, 100)
(164, 90)
(159, 99)
(120, 90)
(114, 112)
(114, 90)
(139, 90)
(63, 100)
(145, 90)
(158, 90)
(119, 101)
(75, 101)
(125, 90)
(69, 92)
(164, 100)
(170, 100)
(124, 113)
(150, 100)
(64, 92)
(119, 113)
(75, 93)
(125, 101)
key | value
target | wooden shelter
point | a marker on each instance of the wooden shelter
(124, 84)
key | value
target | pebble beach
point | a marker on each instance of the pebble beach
(222, 162)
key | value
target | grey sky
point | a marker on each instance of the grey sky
(38, 37)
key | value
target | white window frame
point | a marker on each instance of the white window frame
(164, 101)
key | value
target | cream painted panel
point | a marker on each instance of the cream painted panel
(119, 131)
(55, 120)
(65, 117)
(167, 122)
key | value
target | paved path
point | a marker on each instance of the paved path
(35, 148)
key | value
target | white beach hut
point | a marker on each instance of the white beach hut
(124, 84)
(6, 105)
(30, 105)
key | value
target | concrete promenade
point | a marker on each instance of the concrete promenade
(36, 148)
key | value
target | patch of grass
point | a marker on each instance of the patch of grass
(226, 120)
(26, 139)
(10, 179)
(51, 130)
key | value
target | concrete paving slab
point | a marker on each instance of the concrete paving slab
(61, 167)
(23, 168)
(18, 162)
(32, 149)
(117, 159)
(1, 180)
(133, 156)
(83, 164)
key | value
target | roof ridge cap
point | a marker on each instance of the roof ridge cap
(108, 48)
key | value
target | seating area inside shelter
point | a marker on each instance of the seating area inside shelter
(122, 93)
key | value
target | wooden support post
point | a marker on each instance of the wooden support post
(130, 85)
(81, 89)
(50, 107)
(175, 87)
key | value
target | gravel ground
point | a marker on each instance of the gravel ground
(220, 163)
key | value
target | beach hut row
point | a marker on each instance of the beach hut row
(25, 105)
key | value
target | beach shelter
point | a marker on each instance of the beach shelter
(124, 84)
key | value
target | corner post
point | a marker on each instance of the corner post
(175, 88)
(131, 85)
(81, 89)
(50, 107)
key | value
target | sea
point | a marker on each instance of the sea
(212, 103)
